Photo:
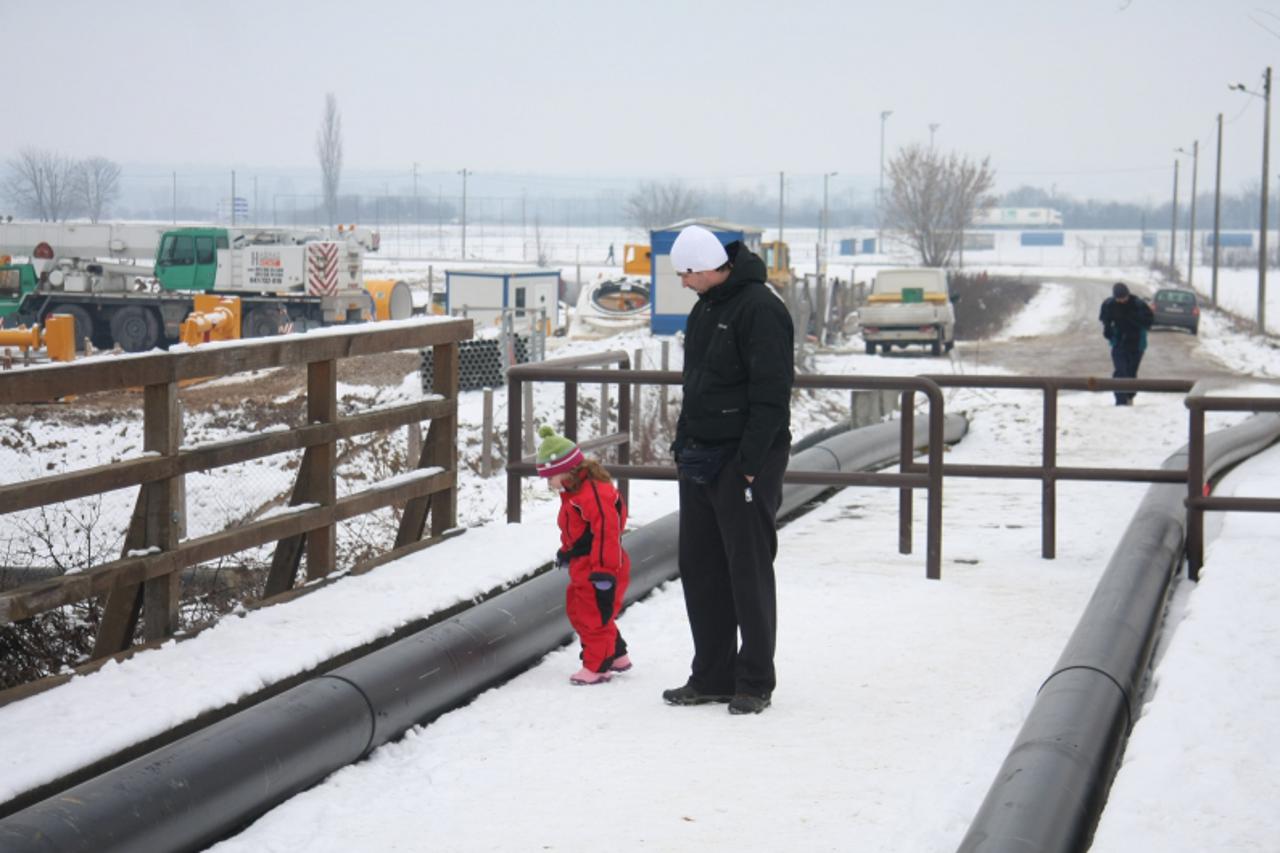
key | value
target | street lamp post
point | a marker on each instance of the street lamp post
(1217, 217)
(1191, 226)
(1262, 229)
(822, 258)
(933, 128)
(884, 116)
(464, 173)
(1173, 228)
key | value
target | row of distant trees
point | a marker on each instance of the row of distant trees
(49, 186)
(932, 198)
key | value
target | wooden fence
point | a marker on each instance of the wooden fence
(144, 583)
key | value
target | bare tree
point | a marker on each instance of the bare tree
(654, 204)
(934, 197)
(96, 184)
(39, 182)
(329, 150)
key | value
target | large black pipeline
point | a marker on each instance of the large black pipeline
(1050, 791)
(188, 794)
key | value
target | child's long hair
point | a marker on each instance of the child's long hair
(589, 469)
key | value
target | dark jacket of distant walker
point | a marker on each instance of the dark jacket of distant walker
(738, 366)
(1125, 323)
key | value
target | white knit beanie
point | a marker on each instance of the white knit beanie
(697, 250)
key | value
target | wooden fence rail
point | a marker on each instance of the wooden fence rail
(144, 582)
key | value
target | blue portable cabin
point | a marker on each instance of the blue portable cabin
(670, 303)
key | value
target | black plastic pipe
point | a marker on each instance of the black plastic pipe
(196, 790)
(1050, 791)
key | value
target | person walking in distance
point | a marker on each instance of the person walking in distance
(1125, 319)
(731, 446)
(591, 520)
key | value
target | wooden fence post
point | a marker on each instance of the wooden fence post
(155, 524)
(440, 450)
(315, 484)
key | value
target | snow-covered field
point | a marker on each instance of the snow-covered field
(897, 696)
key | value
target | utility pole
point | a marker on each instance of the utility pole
(822, 255)
(884, 116)
(1217, 217)
(464, 174)
(1173, 229)
(781, 191)
(1262, 232)
(417, 215)
(933, 128)
(175, 198)
(255, 199)
(233, 198)
(1191, 227)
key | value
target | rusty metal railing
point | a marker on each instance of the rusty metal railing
(574, 371)
(1198, 500)
(1049, 472)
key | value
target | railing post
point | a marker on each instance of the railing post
(155, 524)
(1195, 490)
(322, 407)
(906, 453)
(486, 437)
(571, 411)
(441, 448)
(314, 484)
(933, 513)
(515, 449)
(1049, 480)
(625, 391)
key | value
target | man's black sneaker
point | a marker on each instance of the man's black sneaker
(690, 695)
(745, 703)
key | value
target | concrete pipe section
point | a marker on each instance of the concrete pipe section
(1049, 793)
(196, 790)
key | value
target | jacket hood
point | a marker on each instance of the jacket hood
(747, 267)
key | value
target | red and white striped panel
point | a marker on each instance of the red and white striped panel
(322, 269)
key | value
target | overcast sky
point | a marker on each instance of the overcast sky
(1090, 95)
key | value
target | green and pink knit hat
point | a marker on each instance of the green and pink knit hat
(556, 454)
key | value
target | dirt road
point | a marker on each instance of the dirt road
(1080, 350)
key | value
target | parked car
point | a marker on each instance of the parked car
(1176, 307)
(909, 306)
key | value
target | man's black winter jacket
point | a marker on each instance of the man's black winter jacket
(1123, 323)
(738, 365)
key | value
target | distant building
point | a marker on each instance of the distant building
(1018, 217)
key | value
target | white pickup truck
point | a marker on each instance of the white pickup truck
(909, 306)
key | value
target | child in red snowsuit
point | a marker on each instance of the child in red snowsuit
(592, 518)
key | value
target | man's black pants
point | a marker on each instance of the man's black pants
(727, 546)
(1126, 363)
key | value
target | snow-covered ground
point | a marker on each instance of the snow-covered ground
(897, 696)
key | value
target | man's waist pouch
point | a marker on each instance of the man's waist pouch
(700, 463)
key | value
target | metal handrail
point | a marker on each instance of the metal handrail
(573, 371)
(1048, 472)
(1198, 499)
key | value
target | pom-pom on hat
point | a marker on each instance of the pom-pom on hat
(697, 250)
(556, 454)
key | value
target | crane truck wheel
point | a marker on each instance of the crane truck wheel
(135, 328)
(263, 321)
(84, 323)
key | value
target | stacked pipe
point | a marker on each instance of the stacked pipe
(185, 795)
(479, 363)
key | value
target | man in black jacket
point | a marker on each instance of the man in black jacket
(1125, 320)
(732, 443)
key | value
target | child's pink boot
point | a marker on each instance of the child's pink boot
(620, 664)
(585, 676)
